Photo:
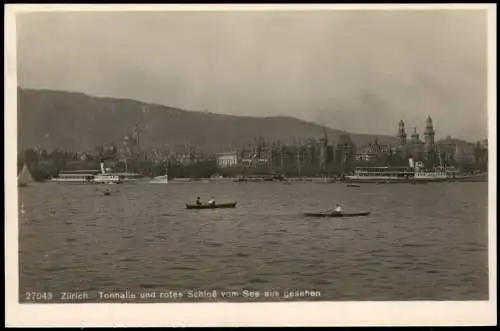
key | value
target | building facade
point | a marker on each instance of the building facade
(227, 159)
(415, 147)
(345, 150)
(299, 158)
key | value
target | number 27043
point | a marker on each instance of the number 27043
(33, 296)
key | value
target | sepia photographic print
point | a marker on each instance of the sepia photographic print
(234, 165)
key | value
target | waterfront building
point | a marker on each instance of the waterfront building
(325, 152)
(415, 147)
(227, 159)
(309, 154)
(449, 151)
(185, 155)
(481, 155)
(345, 150)
(372, 153)
(322, 150)
(415, 138)
(367, 155)
(312, 156)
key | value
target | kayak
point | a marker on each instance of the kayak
(336, 214)
(207, 206)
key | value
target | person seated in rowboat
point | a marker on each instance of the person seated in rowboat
(211, 202)
(338, 209)
(198, 202)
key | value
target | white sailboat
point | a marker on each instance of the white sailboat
(24, 178)
(160, 179)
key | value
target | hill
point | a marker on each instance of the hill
(67, 120)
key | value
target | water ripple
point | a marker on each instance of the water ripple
(72, 237)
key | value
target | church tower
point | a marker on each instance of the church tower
(402, 133)
(415, 139)
(429, 133)
(429, 137)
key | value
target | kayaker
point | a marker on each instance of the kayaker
(211, 202)
(198, 202)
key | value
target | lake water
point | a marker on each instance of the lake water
(420, 242)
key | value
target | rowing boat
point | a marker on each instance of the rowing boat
(336, 214)
(207, 206)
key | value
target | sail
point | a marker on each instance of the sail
(25, 177)
(160, 179)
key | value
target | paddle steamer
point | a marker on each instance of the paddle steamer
(102, 176)
(414, 173)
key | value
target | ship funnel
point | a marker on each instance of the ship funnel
(102, 168)
(411, 162)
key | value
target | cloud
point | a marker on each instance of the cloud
(360, 71)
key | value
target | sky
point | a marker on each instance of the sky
(359, 71)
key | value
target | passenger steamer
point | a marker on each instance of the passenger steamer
(415, 173)
(103, 176)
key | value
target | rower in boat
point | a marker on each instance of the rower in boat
(336, 210)
(335, 214)
(198, 202)
(211, 202)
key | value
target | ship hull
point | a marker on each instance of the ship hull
(361, 180)
(84, 182)
(389, 180)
